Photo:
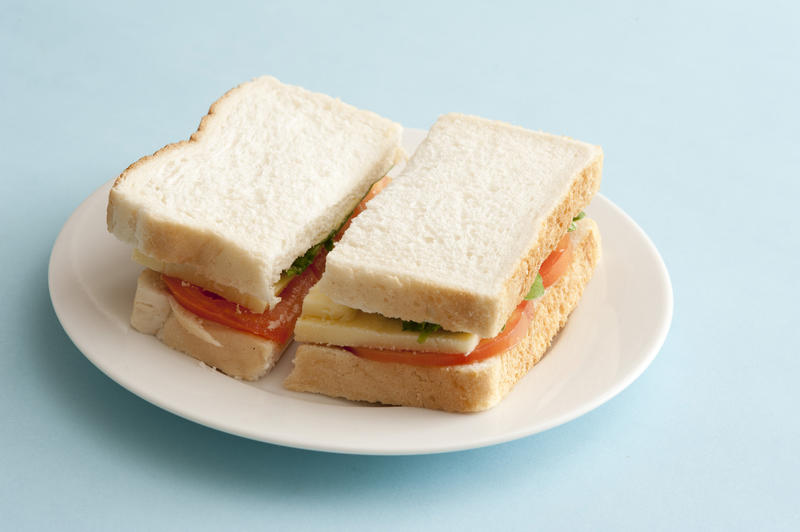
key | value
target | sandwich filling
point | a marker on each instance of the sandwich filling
(379, 338)
(276, 324)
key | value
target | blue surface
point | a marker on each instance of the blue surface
(696, 107)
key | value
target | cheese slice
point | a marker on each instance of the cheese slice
(324, 321)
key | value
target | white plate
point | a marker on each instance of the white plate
(612, 336)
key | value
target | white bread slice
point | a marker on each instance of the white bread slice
(271, 170)
(235, 353)
(467, 388)
(458, 237)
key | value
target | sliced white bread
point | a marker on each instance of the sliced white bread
(458, 237)
(271, 170)
(235, 353)
(337, 372)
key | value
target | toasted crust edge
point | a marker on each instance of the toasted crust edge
(237, 354)
(336, 372)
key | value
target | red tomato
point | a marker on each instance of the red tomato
(514, 331)
(276, 324)
(557, 262)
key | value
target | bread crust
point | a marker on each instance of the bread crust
(474, 387)
(580, 194)
(235, 353)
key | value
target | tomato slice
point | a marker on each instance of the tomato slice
(276, 324)
(557, 262)
(515, 330)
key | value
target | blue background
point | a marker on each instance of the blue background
(696, 106)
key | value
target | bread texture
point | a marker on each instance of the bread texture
(235, 353)
(458, 237)
(473, 387)
(271, 170)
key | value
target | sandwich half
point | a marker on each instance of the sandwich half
(454, 281)
(233, 225)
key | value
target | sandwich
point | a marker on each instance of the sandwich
(233, 225)
(454, 281)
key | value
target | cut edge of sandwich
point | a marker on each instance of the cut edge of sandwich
(208, 259)
(337, 372)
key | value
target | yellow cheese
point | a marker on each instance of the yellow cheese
(324, 321)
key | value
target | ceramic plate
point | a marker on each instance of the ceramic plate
(612, 336)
